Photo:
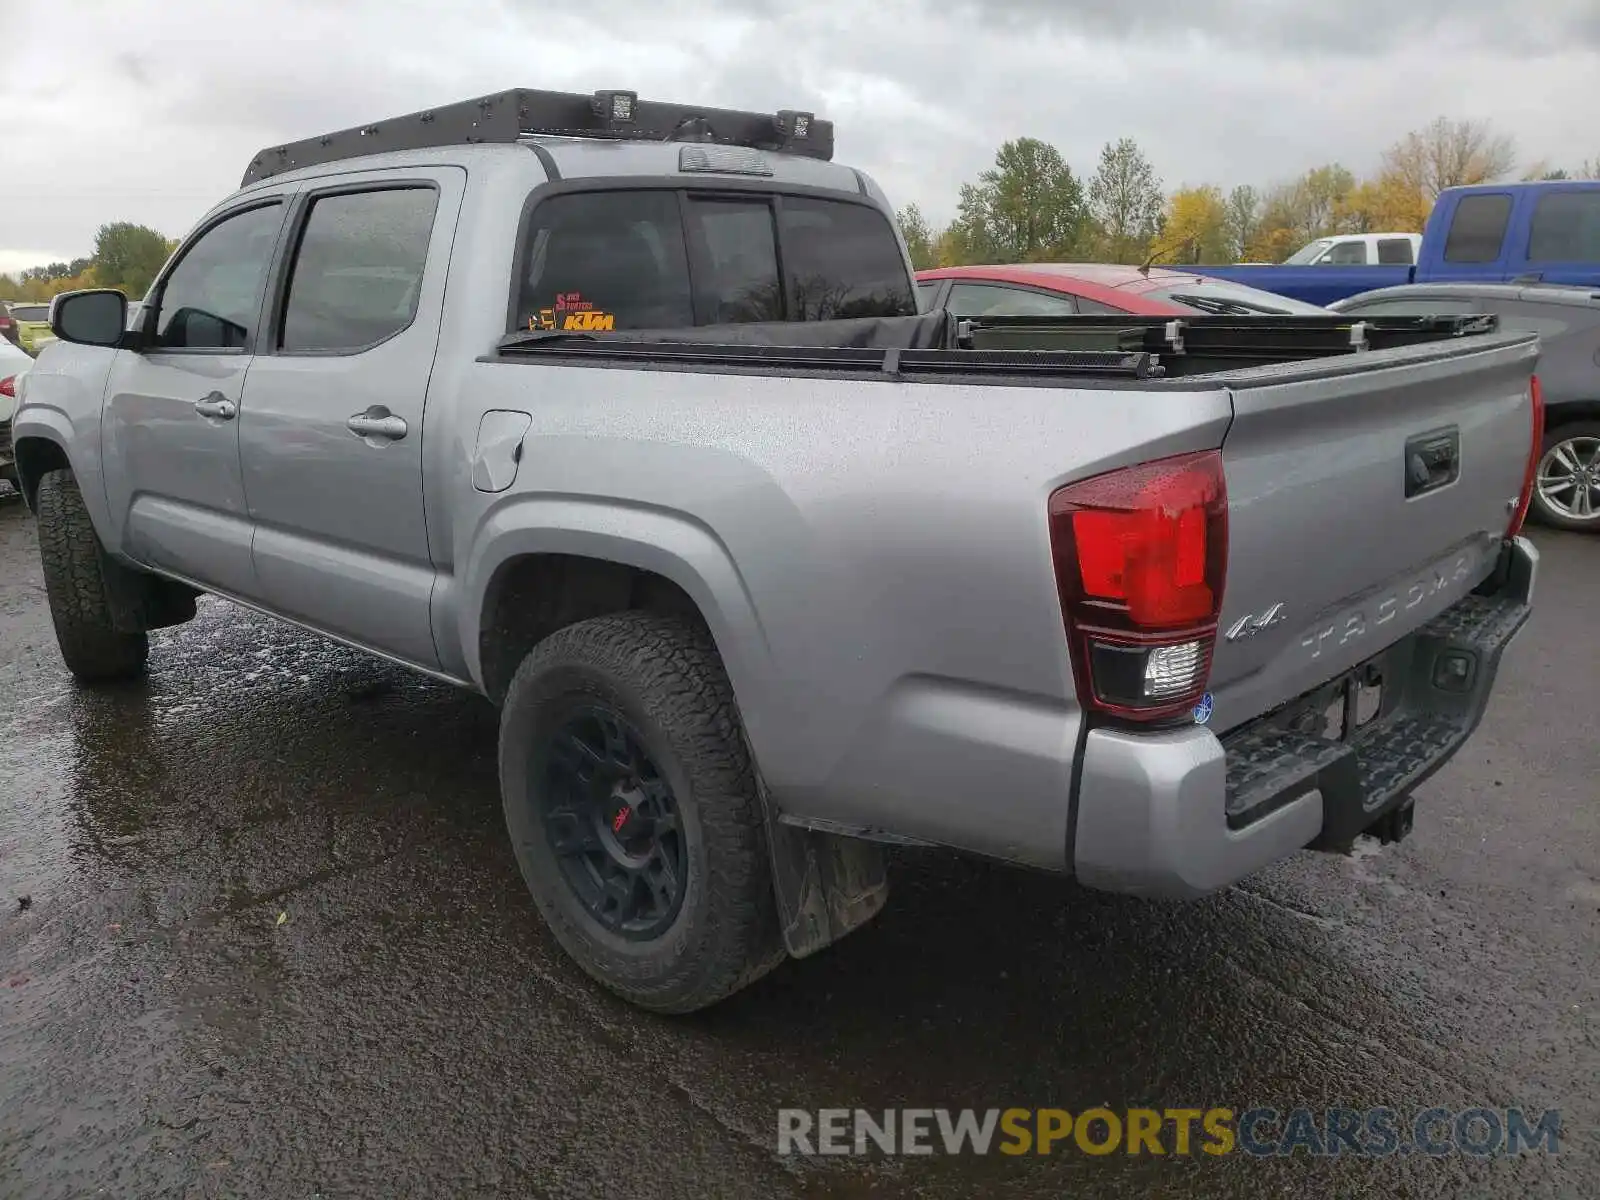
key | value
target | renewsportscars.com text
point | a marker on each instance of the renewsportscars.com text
(1372, 1133)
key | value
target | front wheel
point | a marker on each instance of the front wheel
(1566, 487)
(634, 814)
(77, 575)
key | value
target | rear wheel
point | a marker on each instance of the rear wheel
(76, 574)
(1566, 488)
(633, 811)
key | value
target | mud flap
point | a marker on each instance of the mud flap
(141, 602)
(826, 884)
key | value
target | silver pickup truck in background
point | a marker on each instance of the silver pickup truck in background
(623, 415)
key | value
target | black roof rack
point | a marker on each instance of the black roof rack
(521, 112)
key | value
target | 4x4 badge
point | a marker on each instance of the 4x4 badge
(1249, 625)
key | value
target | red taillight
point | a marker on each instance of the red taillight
(1141, 555)
(1535, 452)
(8, 386)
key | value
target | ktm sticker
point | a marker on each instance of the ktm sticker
(572, 311)
(589, 321)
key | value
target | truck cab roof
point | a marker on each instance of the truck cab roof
(574, 159)
(610, 134)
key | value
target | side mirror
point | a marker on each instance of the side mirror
(98, 317)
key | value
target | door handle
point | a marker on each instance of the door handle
(377, 424)
(217, 405)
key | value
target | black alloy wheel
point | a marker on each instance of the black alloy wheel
(612, 822)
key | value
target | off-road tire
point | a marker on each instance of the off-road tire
(664, 676)
(76, 567)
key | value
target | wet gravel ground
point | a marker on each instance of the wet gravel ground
(276, 945)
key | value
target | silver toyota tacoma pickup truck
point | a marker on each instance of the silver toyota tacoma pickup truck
(623, 415)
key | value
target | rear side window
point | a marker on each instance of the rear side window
(1566, 228)
(993, 300)
(606, 260)
(357, 273)
(1395, 251)
(1477, 229)
(842, 261)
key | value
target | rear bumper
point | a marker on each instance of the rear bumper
(1182, 813)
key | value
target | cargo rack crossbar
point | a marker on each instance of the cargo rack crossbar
(508, 117)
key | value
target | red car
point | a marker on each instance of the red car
(1062, 289)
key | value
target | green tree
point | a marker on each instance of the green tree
(128, 256)
(1036, 209)
(919, 238)
(968, 240)
(1322, 191)
(1125, 201)
(1028, 207)
(1242, 214)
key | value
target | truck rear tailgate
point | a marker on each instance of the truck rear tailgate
(1365, 496)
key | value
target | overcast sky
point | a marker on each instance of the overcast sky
(149, 110)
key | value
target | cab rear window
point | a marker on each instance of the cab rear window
(662, 259)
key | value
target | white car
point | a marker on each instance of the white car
(1358, 250)
(14, 364)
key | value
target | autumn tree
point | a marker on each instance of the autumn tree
(1301, 211)
(1449, 153)
(1124, 201)
(1243, 213)
(1387, 204)
(1272, 244)
(919, 238)
(128, 256)
(1196, 228)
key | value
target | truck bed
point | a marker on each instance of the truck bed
(1332, 554)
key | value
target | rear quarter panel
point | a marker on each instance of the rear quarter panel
(872, 557)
